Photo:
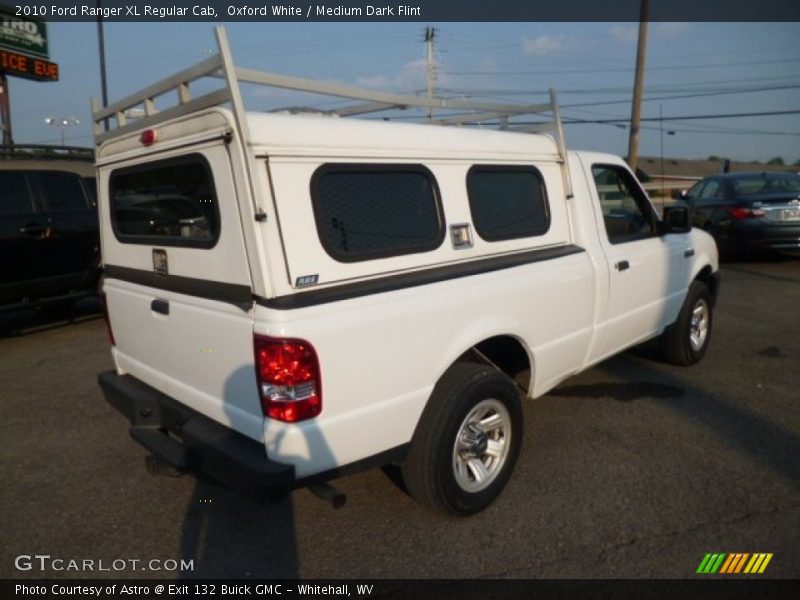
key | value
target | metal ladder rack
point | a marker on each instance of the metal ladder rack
(112, 121)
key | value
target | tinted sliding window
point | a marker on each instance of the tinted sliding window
(62, 191)
(507, 202)
(15, 198)
(169, 202)
(374, 211)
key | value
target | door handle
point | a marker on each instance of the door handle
(622, 265)
(160, 306)
(688, 253)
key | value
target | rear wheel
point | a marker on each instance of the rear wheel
(467, 441)
(685, 341)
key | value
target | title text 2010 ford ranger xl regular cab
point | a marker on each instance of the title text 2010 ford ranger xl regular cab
(293, 296)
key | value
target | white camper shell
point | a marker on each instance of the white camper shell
(291, 296)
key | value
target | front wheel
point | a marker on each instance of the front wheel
(686, 340)
(467, 441)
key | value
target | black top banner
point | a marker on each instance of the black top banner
(404, 10)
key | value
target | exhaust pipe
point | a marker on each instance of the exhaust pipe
(325, 491)
(156, 466)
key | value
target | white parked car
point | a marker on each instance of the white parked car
(335, 293)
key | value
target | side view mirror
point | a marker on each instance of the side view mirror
(676, 219)
(682, 195)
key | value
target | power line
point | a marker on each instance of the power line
(673, 94)
(712, 116)
(623, 69)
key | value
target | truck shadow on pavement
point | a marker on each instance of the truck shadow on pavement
(621, 392)
(231, 536)
(236, 535)
(770, 444)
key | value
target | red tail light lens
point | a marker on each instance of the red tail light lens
(288, 376)
(107, 320)
(746, 213)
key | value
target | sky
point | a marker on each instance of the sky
(717, 68)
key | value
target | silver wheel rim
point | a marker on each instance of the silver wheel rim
(698, 326)
(482, 445)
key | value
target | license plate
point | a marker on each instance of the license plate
(790, 214)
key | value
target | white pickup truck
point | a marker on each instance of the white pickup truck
(292, 297)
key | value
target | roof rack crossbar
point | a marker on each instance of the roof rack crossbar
(179, 82)
(221, 66)
(472, 118)
(206, 101)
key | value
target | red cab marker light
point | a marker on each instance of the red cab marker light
(148, 137)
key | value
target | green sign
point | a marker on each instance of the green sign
(22, 34)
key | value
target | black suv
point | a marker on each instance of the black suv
(49, 241)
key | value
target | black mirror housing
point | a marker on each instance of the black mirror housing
(676, 219)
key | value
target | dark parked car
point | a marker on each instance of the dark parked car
(748, 211)
(49, 241)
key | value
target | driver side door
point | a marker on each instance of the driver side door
(647, 271)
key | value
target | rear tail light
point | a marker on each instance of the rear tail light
(288, 376)
(107, 319)
(746, 213)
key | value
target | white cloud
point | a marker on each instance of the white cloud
(669, 30)
(624, 33)
(544, 44)
(412, 76)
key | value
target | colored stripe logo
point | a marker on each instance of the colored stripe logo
(734, 563)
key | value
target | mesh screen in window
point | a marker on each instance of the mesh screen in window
(507, 202)
(365, 211)
(170, 202)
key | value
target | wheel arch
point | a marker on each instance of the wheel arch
(507, 352)
(711, 278)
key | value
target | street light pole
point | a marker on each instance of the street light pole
(62, 123)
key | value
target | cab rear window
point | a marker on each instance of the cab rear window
(169, 203)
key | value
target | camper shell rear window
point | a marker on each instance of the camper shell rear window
(369, 211)
(169, 202)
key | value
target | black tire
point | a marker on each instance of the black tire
(677, 344)
(432, 471)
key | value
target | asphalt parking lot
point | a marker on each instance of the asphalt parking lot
(631, 469)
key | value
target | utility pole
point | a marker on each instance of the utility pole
(661, 148)
(5, 111)
(430, 34)
(101, 42)
(638, 86)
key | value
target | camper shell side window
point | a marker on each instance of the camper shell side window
(507, 202)
(369, 211)
(170, 202)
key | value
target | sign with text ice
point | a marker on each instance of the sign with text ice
(22, 34)
(28, 67)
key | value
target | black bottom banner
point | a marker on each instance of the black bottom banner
(384, 589)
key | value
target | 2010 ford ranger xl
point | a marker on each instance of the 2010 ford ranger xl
(290, 297)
